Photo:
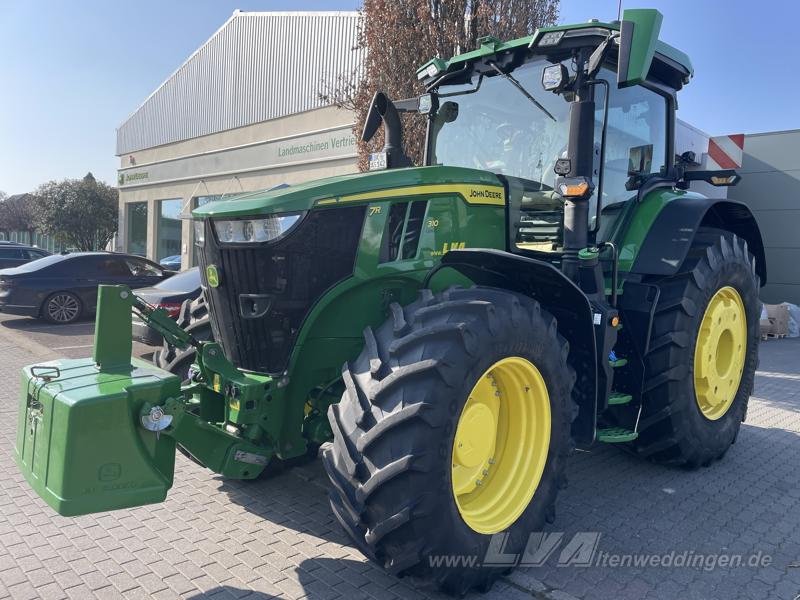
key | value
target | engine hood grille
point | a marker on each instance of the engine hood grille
(265, 291)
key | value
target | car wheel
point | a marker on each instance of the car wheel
(62, 308)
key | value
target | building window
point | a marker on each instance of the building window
(200, 200)
(137, 228)
(169, 229)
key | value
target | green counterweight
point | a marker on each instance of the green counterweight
(100, 434)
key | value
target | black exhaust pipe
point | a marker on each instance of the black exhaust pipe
(383, 110)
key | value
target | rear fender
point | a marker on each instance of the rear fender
(560, 297)
(672, 233)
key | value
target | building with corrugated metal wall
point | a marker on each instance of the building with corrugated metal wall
(770, 186)
(243, 113)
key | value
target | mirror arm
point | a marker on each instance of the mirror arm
(599, 55)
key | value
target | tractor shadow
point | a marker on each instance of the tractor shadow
(295, 499)
(743, 504)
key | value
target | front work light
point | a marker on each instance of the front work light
(554, 77)
(254, 231)
(551, 38)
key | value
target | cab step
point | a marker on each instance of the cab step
(617, 398)
(616, 435)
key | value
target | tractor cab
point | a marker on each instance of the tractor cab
(506, 108)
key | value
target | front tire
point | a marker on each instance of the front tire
(194, 319)
(414, 428)
(703, 354)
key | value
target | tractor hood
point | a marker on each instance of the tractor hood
(352, 188)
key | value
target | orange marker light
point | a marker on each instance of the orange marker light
(574, 190)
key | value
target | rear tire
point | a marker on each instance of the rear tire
(392, 460)
(676, 428)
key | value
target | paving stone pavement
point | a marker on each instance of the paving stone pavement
(277, 539)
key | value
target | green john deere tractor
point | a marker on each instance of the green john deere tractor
(547, 279)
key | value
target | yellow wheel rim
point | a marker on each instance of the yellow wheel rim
(501, 443)
(719, 353)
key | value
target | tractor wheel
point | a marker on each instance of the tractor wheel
(703, 354)
(454, 426)
(194, 319)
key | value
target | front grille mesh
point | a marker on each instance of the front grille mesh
(293, 273)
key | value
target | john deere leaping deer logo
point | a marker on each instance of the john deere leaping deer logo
(212, 274)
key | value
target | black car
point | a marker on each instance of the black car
(63, 287)
(169, 295)
(13, 254)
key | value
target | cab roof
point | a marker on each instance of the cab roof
(670, 64)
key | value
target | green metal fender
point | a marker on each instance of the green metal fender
(672, 232)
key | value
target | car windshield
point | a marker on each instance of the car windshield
(186, 281)
(497, 128)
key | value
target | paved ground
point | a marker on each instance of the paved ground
(277, 539)
(73, 341)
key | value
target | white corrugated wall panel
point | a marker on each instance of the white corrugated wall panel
(258, 66)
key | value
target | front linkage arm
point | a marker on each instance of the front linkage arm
(158, 319)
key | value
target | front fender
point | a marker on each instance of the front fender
(559, 296)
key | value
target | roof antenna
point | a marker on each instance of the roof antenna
(619, 10)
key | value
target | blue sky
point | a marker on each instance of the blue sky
(70, 72)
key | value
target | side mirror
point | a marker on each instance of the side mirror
(638, 34)
(640, 160)
(640, 165)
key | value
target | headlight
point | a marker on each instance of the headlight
(199, 232)
(249, 231)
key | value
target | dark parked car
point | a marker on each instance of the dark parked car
(63, 287)
(173, 263)
(169, 295)
(13, 254)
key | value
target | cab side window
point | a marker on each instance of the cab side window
(636, 138)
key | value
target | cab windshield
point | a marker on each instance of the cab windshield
(491, 125)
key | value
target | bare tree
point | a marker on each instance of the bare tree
(401, 35)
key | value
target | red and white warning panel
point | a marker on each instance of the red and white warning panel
(725, 152)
